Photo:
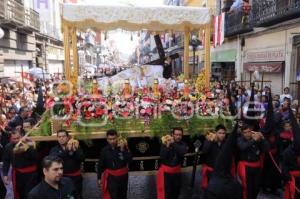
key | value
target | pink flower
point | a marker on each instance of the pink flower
(143, 111)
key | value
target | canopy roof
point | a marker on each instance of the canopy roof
(129, 17)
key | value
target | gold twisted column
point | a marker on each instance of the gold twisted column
(186, 67)
(67, 66)
(74, 76)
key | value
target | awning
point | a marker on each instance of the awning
(130, 17)
(224, 56)
(267, 67)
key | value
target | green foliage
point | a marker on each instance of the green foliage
(45, 126)
(157, 126)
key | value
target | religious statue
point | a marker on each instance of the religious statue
(186, 89)
(127, 89)
(95, 87)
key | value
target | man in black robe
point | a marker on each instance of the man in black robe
(291, 163)
(169, 173)
(212, 146)
(251, 148)
(271, 178)
(22, 156)
(222, 183)
(72, 156)
(113, 167)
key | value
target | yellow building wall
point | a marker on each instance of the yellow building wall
(194, 3)
(208, 3)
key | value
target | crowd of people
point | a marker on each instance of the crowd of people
(259, 154)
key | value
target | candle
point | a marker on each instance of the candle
(155, 89)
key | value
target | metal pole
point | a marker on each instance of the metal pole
(2, 105)
(45, 51)
(22, 76)
(194, 60)
(197, 144)
(262, 80)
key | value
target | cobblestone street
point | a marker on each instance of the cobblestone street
(142, 185)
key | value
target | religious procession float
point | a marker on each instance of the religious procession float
(138, 102)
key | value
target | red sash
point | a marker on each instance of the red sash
(106, 173)
(73, 174)
(29, 169)
(242, 172)
(161, 178)
(290, 187)
(205, 170)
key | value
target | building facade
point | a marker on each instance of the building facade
(49, 45)
(264, 37)
(20, 23)
(32, 37)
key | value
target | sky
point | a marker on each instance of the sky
(124, 44)
(122, 40)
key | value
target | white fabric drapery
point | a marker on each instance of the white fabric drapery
(129, 17)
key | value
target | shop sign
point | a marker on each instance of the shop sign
(267, 67)
(263, 56)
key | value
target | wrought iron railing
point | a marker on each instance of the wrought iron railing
(2, 10)
(14, 11)
(263, 13)
(50, 30)
(237, 23)
(32, 19)
(270, 12)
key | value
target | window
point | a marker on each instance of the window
(298, 57)
(21, 41)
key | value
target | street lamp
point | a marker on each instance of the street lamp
(1, 33)
(195, 43)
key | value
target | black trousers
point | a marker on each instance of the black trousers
(253, 182)
(172, 185)
(221, 187)
(2, 189)
(25, 182)
(77, 181)
(117, 186)
(271, 178)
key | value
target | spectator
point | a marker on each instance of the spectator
(11, 113)
(18, 120)
(236, 6)
(4, 136)
(286, 94)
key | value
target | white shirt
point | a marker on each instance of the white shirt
(285, 96)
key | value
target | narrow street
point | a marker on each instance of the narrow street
(142, 185)
(124, 86)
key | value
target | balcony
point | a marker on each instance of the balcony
(14, 14)
(2, 12)
(267, 13)
(14, 11)
(32, 19)
(236, 23)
